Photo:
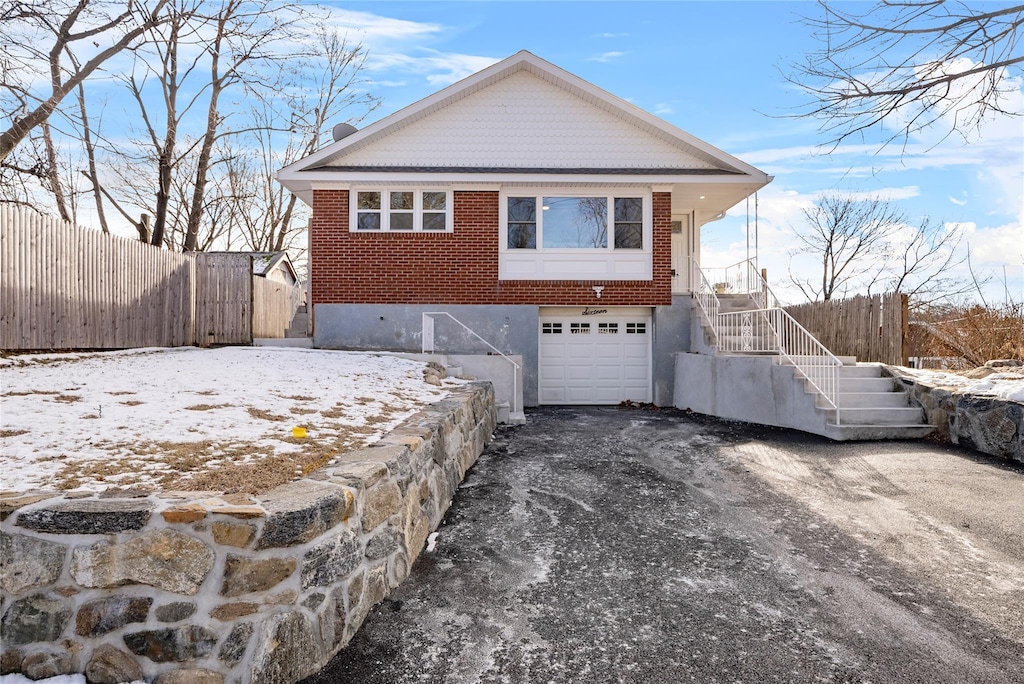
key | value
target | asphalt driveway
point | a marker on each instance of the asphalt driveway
(621, 545)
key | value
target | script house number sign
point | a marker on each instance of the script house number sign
(594, 312)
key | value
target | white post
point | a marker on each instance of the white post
(428, 334)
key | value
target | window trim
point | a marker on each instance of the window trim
(385, 210)
(610, 194)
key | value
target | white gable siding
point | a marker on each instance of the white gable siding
(522, 121)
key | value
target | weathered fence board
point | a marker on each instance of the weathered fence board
(223, 299)
(274, 305)
(69, 288)
(63, 287)
(870, 328)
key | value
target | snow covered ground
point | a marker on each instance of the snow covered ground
(1007, 383)
(193, 418)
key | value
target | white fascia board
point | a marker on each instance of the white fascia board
(325, 179)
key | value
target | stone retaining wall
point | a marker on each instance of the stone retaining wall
(205, 587)
(984, 423)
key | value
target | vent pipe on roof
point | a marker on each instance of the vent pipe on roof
(342, 130)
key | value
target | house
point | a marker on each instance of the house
(555, 220)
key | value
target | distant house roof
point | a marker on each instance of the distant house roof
(265, 262)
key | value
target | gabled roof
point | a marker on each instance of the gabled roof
(520, 117)
(265, 262)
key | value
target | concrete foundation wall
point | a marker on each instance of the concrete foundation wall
(747, 388)
(398, 327)
(209, 587)
(671, 336)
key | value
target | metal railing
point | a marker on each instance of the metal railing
(765, 329)
(427, 324)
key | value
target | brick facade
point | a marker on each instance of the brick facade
(460, 267)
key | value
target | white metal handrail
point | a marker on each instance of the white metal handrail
(427, 324)
(766, 329)
(706, 298)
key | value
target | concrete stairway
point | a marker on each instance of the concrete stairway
(871, 405)
(300, 323)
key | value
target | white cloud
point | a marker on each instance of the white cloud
(606, 56)
(884, 194)
(959, 202)
(439, 68)
(611, 35)
(374, 29)
(662, 108)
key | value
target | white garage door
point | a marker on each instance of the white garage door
(594, 359)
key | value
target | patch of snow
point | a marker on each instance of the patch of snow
(1007, 384)
(59, 408)
(431, 541)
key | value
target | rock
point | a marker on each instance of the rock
(9, 504)
(286, 649)
(373, 590)
(232, 611)
(365, 474)
(176, 644)
(184, 513)
(244, 575)
(105, 615)
(45, 665)
(398, 569)
(326, 563)
(1004, 363)
(173, 612)
(10, 660)
(332, 619)
(383, 544)
(313, 600)
(196, 676)
(110, 665)
(432, 380)
(232, 534)
(35, 618)
(166, 559)
(301, 511)
(29, 563)
(88, 516)
(381, 502)
(233, 648)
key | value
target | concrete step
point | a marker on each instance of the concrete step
(302, 342)
(861, 370)
(845, 360)
(504, 414)
(848, 385)
(454, 371)
(873, 400)
(850, 432)
(888, 415)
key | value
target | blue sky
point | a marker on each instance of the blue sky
(713, 69)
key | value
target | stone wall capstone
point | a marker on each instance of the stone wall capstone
(211, 587)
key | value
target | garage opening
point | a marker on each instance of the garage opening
(594, 355)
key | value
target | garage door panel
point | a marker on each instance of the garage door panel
(603, 366)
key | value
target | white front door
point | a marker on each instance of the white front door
(594, 356)
(680, 254)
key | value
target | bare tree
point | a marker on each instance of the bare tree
(911, 64)
(846, 236)
(869, 244)
(65, 25)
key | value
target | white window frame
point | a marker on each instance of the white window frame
(576, 263)
(385, 211)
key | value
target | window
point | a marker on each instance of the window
(522, 222)
(402, 210)
(579, 328)
(636, 328)
(575, 222)
(607, 328)
(551, 329)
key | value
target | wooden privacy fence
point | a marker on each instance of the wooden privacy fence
(870, 328)
(63, 287)
(274, 306)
